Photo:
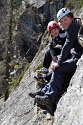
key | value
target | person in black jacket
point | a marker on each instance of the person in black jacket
(64, 69)
(58, 36)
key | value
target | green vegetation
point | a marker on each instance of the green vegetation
(48, 0)
(1, 94)
(80, 4)
(15, 82)
(16, 3)
(72, 4)
(52, 0)
(39, 67)
(39, 27)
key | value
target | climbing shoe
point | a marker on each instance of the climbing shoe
(40, 80)
(33, 94)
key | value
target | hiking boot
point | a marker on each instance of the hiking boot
(39, 105)
(42, 72)
(40, 80)
(43, 100)
(47, 103)
(51, 109)
(33, 94)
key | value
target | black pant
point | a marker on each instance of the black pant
(48, 57)
(59, 80)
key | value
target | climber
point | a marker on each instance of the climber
(58, 37)
(64, 69)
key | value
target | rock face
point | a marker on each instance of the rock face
(32, 24)
(19, 109)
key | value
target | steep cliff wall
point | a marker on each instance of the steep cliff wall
(33, 22)
(19, 109)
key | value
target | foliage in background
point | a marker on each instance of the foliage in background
(17, 3)
(38, 67)
(72, 4)
(20, 68)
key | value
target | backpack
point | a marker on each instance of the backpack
(80, 36)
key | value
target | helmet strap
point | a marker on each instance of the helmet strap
(70, 15)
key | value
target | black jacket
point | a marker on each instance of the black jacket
(59, 40)
(71, 44)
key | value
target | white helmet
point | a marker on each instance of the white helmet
(62, 12)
